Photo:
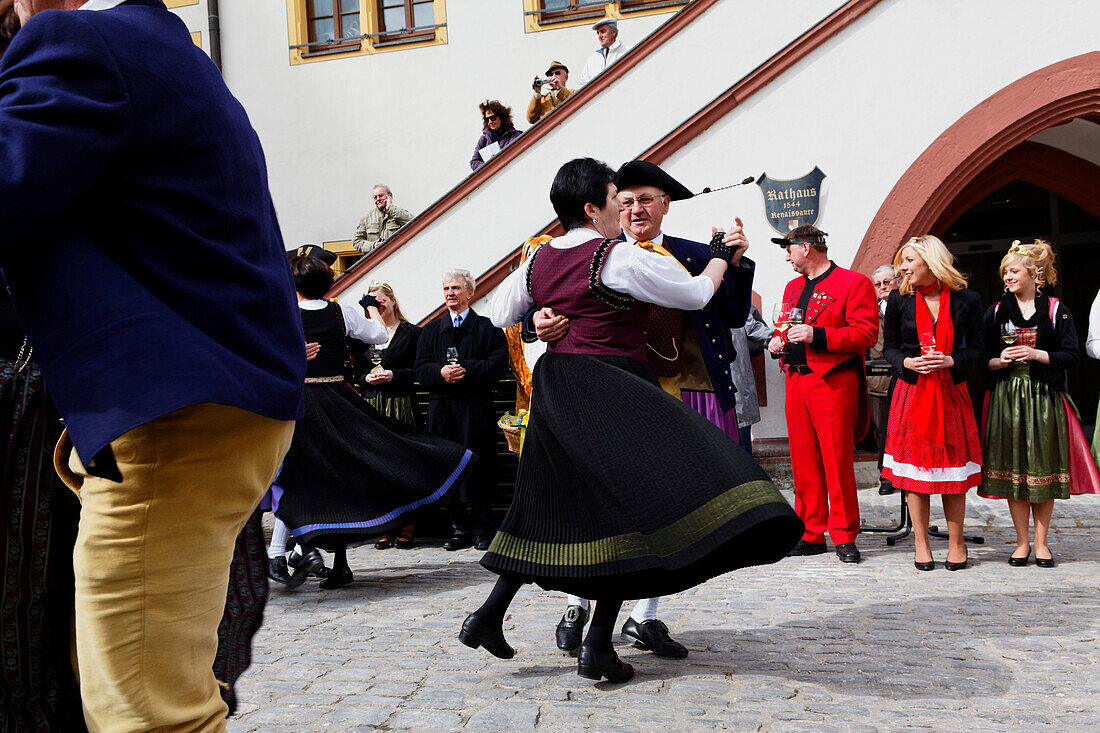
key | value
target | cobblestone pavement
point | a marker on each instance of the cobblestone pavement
(808, 644)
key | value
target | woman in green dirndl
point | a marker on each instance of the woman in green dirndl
(1035, 451)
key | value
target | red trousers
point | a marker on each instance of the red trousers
(821, 413)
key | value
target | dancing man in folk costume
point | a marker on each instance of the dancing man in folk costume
(688, 350)
(826, 400)
(592, 514)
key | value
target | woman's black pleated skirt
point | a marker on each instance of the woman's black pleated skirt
(352, 473)
(624, 492)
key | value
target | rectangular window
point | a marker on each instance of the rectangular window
(405, 21)
(333, 25)
(630, 5)
(563, 10)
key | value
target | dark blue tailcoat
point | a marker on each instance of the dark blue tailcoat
(137, 232)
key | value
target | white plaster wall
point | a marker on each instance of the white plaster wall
(408, 118)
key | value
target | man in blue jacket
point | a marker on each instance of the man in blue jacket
(146, 264)
(690, 353)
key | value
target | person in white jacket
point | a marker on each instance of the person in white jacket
(611, 50)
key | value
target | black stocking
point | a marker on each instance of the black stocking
(340, 559)
(604, 617)
(496, 605)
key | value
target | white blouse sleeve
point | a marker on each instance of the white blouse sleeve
(655, 278)
(360, 327)
(1092, 340)
(511, 299)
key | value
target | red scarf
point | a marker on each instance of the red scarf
(928, 406)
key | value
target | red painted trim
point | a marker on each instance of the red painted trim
(532, 135)
(926, 191)
(698, 123)
(1072, 178)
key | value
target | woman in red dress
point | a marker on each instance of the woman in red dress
(932, 335)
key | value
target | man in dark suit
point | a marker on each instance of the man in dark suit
(159, 303)
(460, 400)
(689, 352)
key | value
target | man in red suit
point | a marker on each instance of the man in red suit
(826, 402)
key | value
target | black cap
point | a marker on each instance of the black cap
(312, 250)
(644, 173)
(805, 234)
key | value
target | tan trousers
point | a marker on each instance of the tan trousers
(152, 563)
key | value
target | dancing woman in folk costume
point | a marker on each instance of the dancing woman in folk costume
(1035, 451)
(598, 512)
(932, 337)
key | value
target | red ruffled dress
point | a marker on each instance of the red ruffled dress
(932, 446)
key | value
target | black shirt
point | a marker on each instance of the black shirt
(796, 353)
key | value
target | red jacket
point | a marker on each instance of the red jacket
(843, 310)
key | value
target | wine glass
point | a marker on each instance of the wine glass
(376, 354)
(794, 317)
(781, 317)
(452, 355)
(927, 339)
(1009, 333)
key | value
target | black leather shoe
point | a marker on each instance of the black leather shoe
(296, 560)
(808, 548)
(309, 562)
(848, 552)
(1044, 562)
(653, 636)
(930, 565)
(570, 628)
(477, 633)
(337, 578)
(956, 565)
(481, 542)
(458, 542)
(1019, 562)
(384, 542)
(594, 665)
(277, 570)
(885, 488)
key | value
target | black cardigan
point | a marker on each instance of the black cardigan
(1060, 342)
(399, 358)
(899, 339)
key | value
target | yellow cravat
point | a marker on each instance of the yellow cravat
(647, 244)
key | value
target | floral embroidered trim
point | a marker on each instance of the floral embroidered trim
(530, 269)
(1020, 479)
(613, 298)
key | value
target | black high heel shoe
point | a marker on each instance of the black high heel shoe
(476, 632)
(1019, 562)
(930, 565)
(956, 565)
(594, 665)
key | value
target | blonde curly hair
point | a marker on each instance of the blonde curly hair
(1037, 258)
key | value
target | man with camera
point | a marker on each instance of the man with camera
(543, 104)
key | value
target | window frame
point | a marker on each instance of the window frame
(338, 43)
(372, 39)
(409, 33)
(582, 12)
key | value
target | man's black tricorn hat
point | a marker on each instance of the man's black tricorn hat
(312, 250)
(805, 234)
(644, 173)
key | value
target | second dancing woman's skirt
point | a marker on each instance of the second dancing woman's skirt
(625, 492)
(352, 473)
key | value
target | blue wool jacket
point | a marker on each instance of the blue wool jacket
(139, 240)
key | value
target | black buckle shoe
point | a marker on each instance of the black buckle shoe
(653, 636)
(309, 562)
(458, 542)
(594, 665)
(848, 552)
(277, 570)
(476, 632)
(570, 628)
(808, 548)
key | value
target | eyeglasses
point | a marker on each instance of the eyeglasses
(491, 118)
(882, 283)
(645, 201)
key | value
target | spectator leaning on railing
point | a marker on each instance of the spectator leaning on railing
(381, 222)
(542, 104)
(611, 50)
(498, 134)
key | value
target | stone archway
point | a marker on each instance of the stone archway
(928, 191)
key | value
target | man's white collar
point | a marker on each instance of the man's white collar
(101, 4)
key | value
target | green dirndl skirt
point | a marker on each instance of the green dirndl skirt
(1026, 453)
(398, 407)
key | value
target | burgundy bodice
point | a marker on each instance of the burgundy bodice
(602, 322)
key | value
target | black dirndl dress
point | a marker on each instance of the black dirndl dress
(626, 492)
(352, 473)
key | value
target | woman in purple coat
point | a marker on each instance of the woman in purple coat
(499, 132)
